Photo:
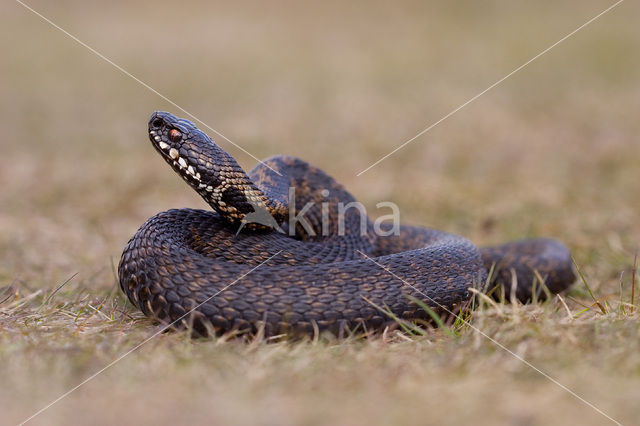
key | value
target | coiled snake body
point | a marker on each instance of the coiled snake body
(333, 272)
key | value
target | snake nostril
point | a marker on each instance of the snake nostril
(157, 122)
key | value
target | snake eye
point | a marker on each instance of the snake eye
(175, 135)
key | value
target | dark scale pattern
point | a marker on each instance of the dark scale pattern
(183, 259)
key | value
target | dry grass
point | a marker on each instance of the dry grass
(552, 151)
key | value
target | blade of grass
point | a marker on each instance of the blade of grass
(407, 327)
(584, 281)
(621, 304)
(68, 280)
(488, 300)
(434, 316)
(633, 282)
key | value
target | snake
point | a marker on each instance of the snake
(265, 261)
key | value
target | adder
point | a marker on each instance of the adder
(334, 271)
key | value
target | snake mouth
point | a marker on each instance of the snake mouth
(157, 141)
(178, 159)
(184, 148)
(165, 149)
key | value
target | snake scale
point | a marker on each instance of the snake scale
(194, 268)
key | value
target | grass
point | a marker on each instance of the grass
(552, 151)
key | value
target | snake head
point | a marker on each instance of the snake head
(206, 167)
(188, 150)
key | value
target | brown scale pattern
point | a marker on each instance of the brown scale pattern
(184, 259)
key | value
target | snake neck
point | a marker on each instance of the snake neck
(213, 173)
(233, 195)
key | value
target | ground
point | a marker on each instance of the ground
(551, 151)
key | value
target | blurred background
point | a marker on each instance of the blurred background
(552, 151)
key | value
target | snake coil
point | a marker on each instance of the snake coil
(334, 273)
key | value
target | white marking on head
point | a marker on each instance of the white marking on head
(182, 162)
(163, 145)
(173, 153)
